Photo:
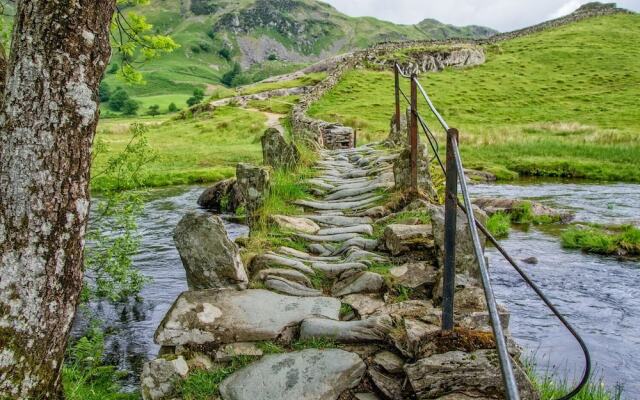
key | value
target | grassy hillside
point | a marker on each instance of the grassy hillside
(563, 102)
(268, 37)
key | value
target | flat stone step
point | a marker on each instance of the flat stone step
(339, 220)
(328, 238)
(368, 330)
(358, 283)
(268, 260)
(286, 286)
(301, 255)
(364, 229)
(333, 270)
(345, 193)
(289, 274)
(227, 316)
(360, 242)
(347, 205)
(310, 375)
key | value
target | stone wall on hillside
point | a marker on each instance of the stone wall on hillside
(418, 59)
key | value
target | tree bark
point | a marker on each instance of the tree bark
(48, 119)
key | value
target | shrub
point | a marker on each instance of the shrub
(173, 108)
(154, 110)
(225, 53)
(130, 107)
(499, 225)
(272, 57)
(118, 99)
(229, 77)
(198, 96)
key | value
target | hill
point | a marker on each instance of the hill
(557, 102)
(267, 37)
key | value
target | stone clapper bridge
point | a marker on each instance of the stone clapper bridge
(357, 314)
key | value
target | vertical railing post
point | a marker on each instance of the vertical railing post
(397, 88)
(413, 133)
(450, 221)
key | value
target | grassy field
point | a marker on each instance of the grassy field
(563, 102)
(203, 148)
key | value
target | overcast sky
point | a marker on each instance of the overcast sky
(503, 15)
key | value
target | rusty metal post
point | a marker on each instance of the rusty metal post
(397, 87)
(450, 221)
(413, 134)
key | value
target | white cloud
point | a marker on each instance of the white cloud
(504, 15)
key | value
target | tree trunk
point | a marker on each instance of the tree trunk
(48, 118)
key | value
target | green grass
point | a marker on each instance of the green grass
(499, 225)
(551, 388)
(277, 105)
(204, 148)
(204, 385)
(315, 343)
(622, 240)
(562, 102)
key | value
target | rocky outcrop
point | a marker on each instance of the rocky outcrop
(475, 375)
(516, 207)
(217, 317)
(223, 196)
(253, 184)
(429, 58)
(402, 172)
(210, 259)
(160, 378)
(309, 374)
(276, 152)
(403, 239)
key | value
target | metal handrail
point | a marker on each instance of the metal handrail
(505, 360)
(474, 225)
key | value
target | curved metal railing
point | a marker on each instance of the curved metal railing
(455, 160)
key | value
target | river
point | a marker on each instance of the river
(599, 295)
(131, 325)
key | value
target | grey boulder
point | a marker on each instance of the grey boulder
(210, 259)
(226, 316)
(160, 378)
(310, 374)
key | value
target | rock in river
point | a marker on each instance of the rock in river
(229, 316)
(310, 374)
(209, 257)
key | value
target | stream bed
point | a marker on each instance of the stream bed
(599, 295)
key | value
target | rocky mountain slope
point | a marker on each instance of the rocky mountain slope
(265, 37)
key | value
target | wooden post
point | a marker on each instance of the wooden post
(413, 134)
(397, 90)
(450, 221)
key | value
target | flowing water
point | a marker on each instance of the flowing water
(132, 325)
(599, 295)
